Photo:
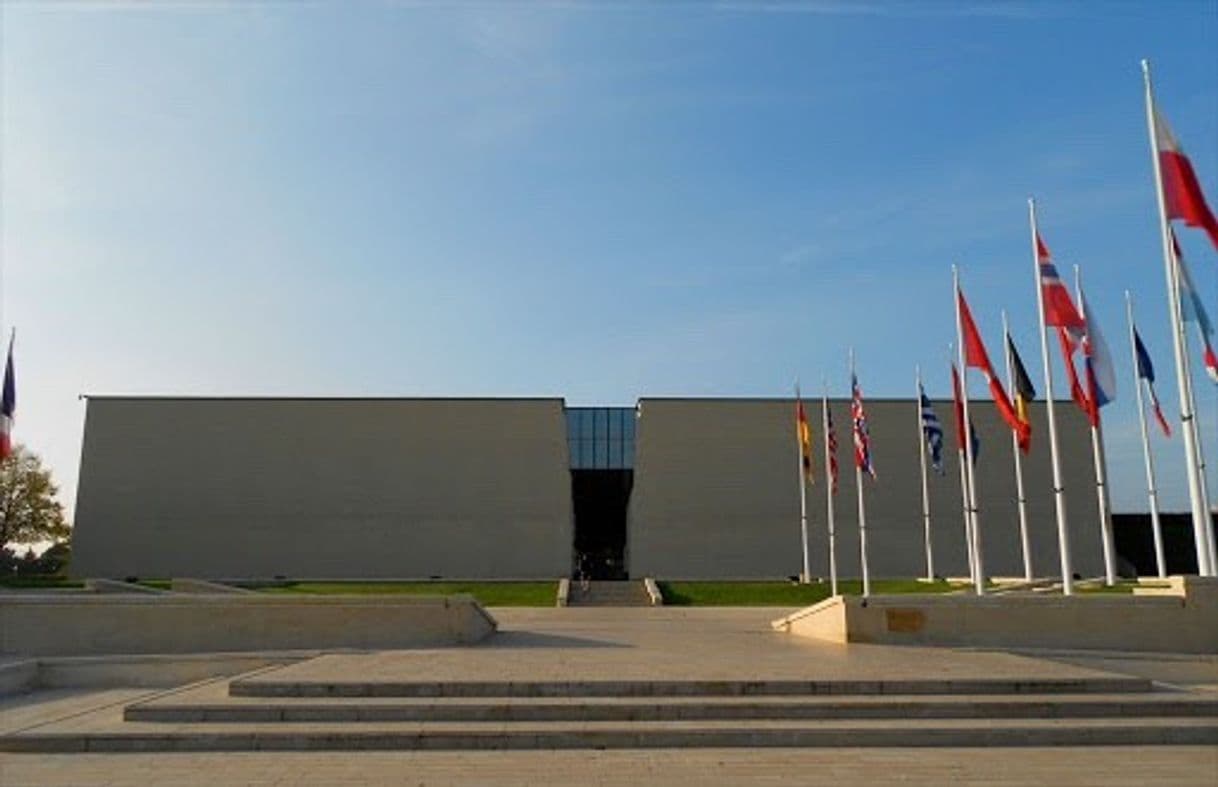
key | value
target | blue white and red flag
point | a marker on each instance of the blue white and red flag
(862, 439)
(1146, 370)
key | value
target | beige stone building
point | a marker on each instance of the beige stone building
(232, 488)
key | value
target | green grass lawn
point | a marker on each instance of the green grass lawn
(490, 594)
(156, 584)
(783, 594)
(40, 582)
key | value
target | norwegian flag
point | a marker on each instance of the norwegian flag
(858, 418)
(1059, 308)
(1061, 313)
(831, 448)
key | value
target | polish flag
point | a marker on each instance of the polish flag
(1181, 189)
(976, 357)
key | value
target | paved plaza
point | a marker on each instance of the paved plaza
(601, 644)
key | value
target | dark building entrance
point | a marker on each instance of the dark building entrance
(600, 442)
(600, 498)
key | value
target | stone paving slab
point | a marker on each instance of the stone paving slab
(26, 710)
(1136, 766)
(665, 643)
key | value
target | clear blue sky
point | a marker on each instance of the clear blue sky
(599, 200)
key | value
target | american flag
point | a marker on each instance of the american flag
(8, 404)
(862, 442)
(831, 447)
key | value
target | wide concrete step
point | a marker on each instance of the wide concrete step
(269, 686)
(213, 709)
(607, 593)
(149, 737)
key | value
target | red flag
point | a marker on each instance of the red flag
(1069, 344)
(1181, 190)
(976, 356)
(1059, 309)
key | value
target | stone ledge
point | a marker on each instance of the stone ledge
(1176, 619)
(190, 623)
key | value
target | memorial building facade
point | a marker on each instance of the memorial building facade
(674, 488)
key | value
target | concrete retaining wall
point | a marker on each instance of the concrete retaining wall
(83, 626)
(1180, 619)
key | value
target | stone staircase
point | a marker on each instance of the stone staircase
(264, 710)
(608, 593)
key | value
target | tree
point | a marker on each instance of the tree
(29, 511)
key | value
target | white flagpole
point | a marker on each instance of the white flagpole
(1201, 517)
(930, 553)
(975, 515)
(858, 481)
(1059, 490)
(1024, 543)
(1156, 528)
(805, 577)
(964, 474)
(824, 411)
(1101, 462)
(1193, 427)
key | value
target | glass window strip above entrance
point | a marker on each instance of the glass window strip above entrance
(601, 438)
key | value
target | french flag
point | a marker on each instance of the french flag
(1181, 190)
(1146, 371)
(8, 405)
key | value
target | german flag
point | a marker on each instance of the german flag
(1025, 393)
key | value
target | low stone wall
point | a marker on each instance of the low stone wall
(171, 623)
(1182, 618)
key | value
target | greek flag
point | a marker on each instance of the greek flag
(932, 431)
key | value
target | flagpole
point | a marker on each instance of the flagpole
(1024, 542)
(978, 560)
(800, 421)
(964, 474)
(1155, 527)
(1201, 517)
(930, 554)
(1059, 490)
(824, 412)
(1194, 422)
(858, 481)
(1097, 447)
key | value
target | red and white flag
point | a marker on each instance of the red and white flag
(1061, 313)
(1181, 190)
(976, 357)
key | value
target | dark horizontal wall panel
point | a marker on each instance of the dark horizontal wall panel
(323, 488)
(716, 492)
